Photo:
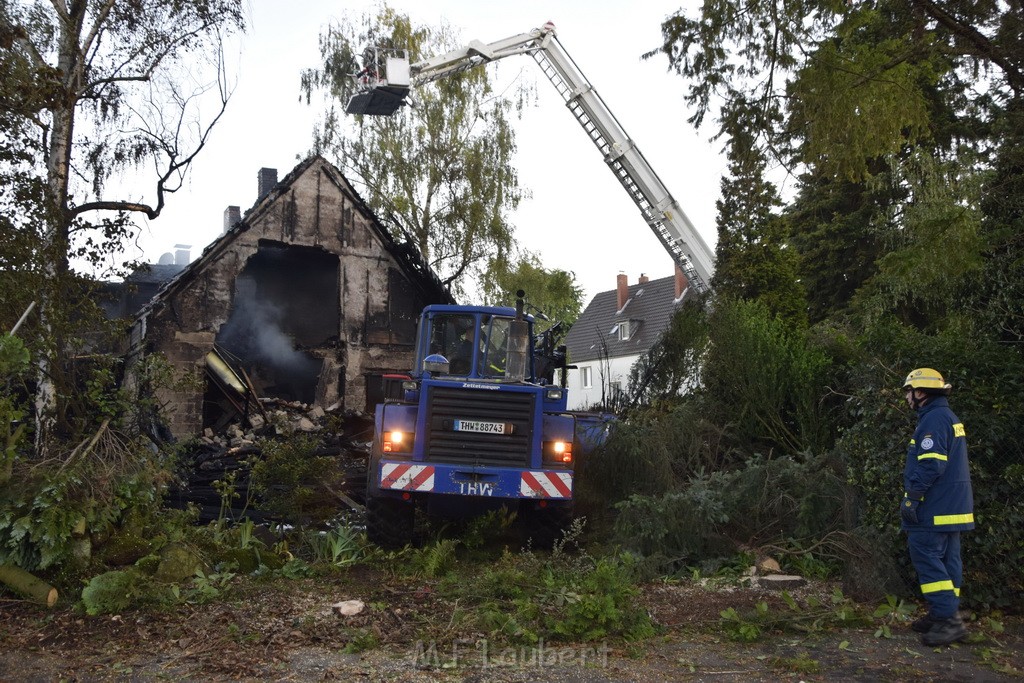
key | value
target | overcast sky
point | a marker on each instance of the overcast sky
(579, 218)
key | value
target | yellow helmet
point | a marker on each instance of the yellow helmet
(928, 379)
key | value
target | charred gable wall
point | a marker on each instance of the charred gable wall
(307, 294)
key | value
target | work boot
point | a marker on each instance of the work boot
(945, 632)
(924, 624)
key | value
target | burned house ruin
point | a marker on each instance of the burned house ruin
(308, 296)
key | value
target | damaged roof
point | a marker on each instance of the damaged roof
(405, 252)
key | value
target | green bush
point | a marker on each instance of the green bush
(47, 504)
(104, 470)
(988, 381)
(115, 591)
(14, 361)
(694, 476)
(294, 483)
(563, 596)
(769, 500)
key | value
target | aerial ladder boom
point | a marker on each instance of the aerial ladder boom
(384, 93)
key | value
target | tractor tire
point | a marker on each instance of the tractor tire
(543, 527)
(389, 522)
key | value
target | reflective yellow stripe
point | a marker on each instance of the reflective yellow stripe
(956, 591)
(958, 430)
(937, 586)
(913, 443)
(934, 456)
(954, 519)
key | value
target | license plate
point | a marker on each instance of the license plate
(480, 426)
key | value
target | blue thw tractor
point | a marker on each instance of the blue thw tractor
(480, 425)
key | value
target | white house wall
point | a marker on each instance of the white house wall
(603, 373)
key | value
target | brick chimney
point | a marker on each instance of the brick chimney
(644, 279)
(622, 285)
(232, 216)
(681, 282)
(267, 181)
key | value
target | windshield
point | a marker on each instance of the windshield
(469, 351)
(452, 335)
(495, 346)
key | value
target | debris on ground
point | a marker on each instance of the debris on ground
(228, 455)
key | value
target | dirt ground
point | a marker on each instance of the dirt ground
(288, 631)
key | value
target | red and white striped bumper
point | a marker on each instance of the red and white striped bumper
(402, 477)
(546, 485)
(480, 482)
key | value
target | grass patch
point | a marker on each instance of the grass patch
(567, 595)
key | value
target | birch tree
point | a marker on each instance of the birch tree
(115, 89)
(442, 170)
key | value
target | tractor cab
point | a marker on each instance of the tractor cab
(482, 343)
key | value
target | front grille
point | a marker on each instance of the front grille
(447, 404)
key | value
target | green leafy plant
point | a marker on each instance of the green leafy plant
(892, 611)
(225, 489)
(246, 539)
(436, 559)
(209, 586)
(339, 546)
(296, 568)
(490, 525)
(111, 592)
(361, 641)
(14, 360)
(105, 472)
(743, 629)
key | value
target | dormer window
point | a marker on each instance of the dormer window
(624, 330)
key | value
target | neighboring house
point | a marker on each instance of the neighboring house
(308, 293)
(614, 330)
(125, 299)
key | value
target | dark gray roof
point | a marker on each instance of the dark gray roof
(649, 309)
(155, 273)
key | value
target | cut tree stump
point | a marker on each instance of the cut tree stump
(781, 581)
(31, 587)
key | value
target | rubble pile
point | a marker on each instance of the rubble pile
(225, 457)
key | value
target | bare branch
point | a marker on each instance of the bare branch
(101, 18)
(176, 166)
(61, 10)
(983, 46)
(146, 74)
(137, 207)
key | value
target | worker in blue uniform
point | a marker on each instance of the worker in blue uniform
(937, 504)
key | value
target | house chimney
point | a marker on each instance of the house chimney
(182, 254)
(644, 279)
(267, 181)
(681, 282)
(622, 286)
(232, 215)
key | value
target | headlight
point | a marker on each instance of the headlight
(558, 453)
(553, 395)
(397, 442)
